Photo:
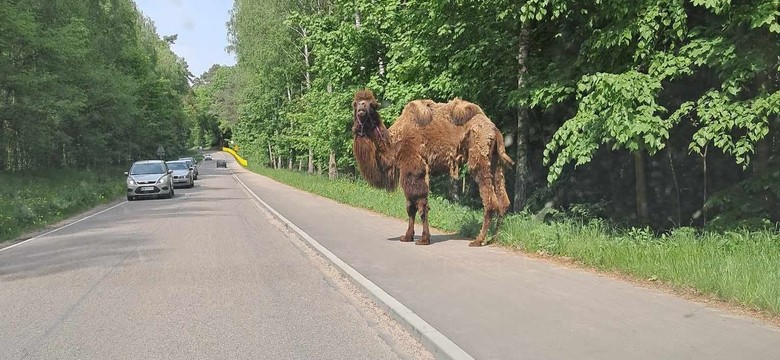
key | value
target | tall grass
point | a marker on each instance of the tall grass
(32, 200)
(740, 267)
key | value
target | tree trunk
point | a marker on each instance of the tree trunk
(270, 155)
(763, 151)
(642, 212)
(332, 171)
(676, 186)
(311, 158)
(3, 147)
(522, 169)
(704, 184)
(304, 34)
(290, 161)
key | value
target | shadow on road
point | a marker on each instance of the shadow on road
(75, 255)
(434, 238)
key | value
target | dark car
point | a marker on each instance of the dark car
(222, 163)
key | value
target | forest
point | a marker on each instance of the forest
(87, 84)
(650, 113)
(653, 113)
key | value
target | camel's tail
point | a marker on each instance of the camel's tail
(500, 150)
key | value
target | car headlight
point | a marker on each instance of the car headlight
(130, 181)
(162, 180)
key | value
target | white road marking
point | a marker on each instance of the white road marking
(62, 227)
(435, 341)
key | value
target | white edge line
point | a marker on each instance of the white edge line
(432, 339)
(62, 227)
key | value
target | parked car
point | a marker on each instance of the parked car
(182, 174)
(149, 178)
(193, 164)
(222, 163)
(207, 157)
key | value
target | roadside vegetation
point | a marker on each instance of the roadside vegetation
(31, 200)
(85, 89)
(737, 266)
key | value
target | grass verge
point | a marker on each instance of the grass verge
(31, 200)
(738, 267)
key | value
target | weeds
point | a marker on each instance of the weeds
(32, 200)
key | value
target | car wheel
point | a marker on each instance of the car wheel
(130, 198)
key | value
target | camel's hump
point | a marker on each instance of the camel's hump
(462, 111)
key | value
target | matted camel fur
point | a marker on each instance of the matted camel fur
(431, 138)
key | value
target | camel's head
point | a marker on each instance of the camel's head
(366, 119)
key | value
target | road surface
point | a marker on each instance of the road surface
(209, 274)
(204, 275)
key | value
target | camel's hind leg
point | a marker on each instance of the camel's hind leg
(499, 183)
(485, 164)
(487, 192)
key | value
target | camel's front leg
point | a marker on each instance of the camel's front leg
(411, 210)
(422, 207)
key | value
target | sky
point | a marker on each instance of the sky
(200, 25)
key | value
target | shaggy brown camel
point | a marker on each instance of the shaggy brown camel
(431, 138)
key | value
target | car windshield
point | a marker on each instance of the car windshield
(144, 169)
(178, 165)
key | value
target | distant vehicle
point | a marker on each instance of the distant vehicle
(193, 164)
(182, 174)
(149, 178)
(222, 163)
(207, 157)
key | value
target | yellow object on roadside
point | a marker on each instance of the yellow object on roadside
(240, 160)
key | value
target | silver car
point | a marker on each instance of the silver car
(149, 178)
(193, 164)
(182, 173)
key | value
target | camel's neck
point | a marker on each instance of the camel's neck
(375, 159)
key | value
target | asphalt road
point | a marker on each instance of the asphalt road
(204, 275)
(208, 275)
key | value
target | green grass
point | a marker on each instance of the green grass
(739, 267)
(31, 200)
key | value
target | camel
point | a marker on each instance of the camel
(431, 138)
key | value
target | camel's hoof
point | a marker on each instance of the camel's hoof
(423, 241)
(475, 243)
(407, 238)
